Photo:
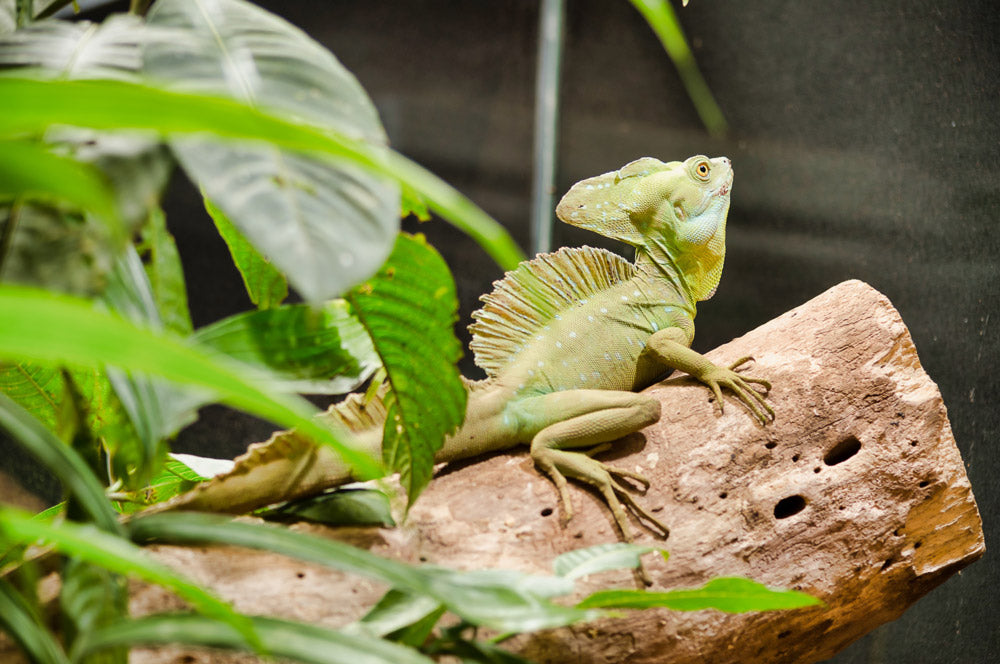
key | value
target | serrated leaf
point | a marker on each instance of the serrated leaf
(345, 507)
(284, 639)
(409, 309)
(600, 558)
(325, 225)
(165, 274)
(728, 594)
(321, 349)
(35, 330)
(265, 285)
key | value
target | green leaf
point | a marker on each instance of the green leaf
(43, 246)
(325, 225)
(34, 329)
(118, 555)
(409, 309)
(506, 601)
(29, 171)
(728, 594)
(165, 274)
(91, 597)
(27, 628)
(663, 20)
(302, 642)
(77, 49)
(175, 477)
(39, 389)
(410, 618)
(61, 460)
(344, 507)
(413, 204)
(321, 349)
(33, 106)
(600, 558)
(265, 285)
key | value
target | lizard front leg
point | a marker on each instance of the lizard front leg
(562, 421)
(668, 347)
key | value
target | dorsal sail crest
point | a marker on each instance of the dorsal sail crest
(530, 296)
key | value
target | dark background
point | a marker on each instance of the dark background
(866, 144)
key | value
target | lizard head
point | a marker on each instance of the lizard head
(677, 209)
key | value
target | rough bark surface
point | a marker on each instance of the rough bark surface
(856, 493)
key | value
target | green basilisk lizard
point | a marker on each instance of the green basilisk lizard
(566, 339)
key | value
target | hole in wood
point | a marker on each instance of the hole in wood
(723, 495)
(887, 564)
(842, 451)
(770, 445)
(547, 511)
(785, 634)
(924, 483)
(789, 506)
(795, 457)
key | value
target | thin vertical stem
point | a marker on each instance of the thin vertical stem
(550, 39)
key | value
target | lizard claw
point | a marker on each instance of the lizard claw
(742, 387)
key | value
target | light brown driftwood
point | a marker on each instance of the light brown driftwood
(856, 493)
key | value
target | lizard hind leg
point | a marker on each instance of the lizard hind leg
(591, 419)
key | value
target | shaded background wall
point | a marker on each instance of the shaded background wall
(866, 143)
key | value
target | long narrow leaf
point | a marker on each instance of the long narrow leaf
(17, 620)
(33, 106)
(728, 594)
(119, 555)
(50, 328)
(311, 644)
(61, 460)
(506, 601)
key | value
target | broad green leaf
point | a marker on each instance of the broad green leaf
(91, 598)
(28, 629)
(320, 349)
(33, 106)
(165, 274)
(35, 326)
(37, 388)
(61, 460)
(409, 309)
(401, 617)
(413, 204)
(663, 20)
(506, 601)
(344, 507)
(78, 49)
(728, 594)
(284, 639)
(30, 172)
(600, 558)
(265, 285)
(175, 477)
(47, 247)
(325, 225)
(117, 554)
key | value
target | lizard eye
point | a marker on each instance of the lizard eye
(702, 170)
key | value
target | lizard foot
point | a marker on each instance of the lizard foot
(741, 386)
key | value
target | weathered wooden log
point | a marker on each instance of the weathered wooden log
(856, 493)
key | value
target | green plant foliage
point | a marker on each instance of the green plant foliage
(281, 638)
(265, 285)
(601, 558)
(62, 461)
(33, 106)
(91, 597)
(344, 507)
(175, 477)
(304, 212)
(402, 617)
(118, 555)
(321, 349)
(409, 309)
(728, 594)
(19, 620)
(35, 330)
(663, 20)
(506, 601)
(29, 171)
(165, 274)
(36, 388)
